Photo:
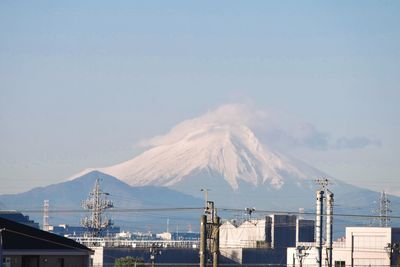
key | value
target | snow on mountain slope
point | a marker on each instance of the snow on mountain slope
(215, 143)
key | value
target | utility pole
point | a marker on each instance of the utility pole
(301, 253)
(393, 251)
(215, 238)
(154, 251)
(203, 240)
(209, 234)
(97, 203)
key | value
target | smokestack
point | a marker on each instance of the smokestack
(318, 226)
(329, 220)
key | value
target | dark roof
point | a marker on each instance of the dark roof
(20, 236)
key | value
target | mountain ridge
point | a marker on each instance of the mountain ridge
(68, 195)
(232, 151)
(219, 152)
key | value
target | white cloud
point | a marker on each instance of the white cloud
(272, 127)
(355, 142)
(229, 114)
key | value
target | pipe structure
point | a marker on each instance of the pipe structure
(329, 223)
(318, 226)
(216, 241)
(203, 240)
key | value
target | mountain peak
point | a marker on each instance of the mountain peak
(230, 150)
(218, 142)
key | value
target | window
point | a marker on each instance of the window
(60, 262)
(340, 263)
(30, 261)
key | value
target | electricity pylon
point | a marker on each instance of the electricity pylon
(97, 203)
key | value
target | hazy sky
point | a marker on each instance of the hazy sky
(83, 82)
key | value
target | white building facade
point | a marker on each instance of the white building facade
(363, 246)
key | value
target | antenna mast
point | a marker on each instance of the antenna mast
(324, 182)
(46, 215)
(97, 203)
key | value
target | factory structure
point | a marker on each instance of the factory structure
(275, 239)
(265, 239)
(362, 246)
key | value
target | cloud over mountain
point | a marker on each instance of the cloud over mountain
(218, 142)
(230, 114)
(225, 142)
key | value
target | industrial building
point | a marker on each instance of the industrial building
(263, 241)
(362, 246)
(68, 230)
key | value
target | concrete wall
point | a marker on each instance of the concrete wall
(264, 256)
(168, 255)
(338, 254)
(190, 257)
(369, 245)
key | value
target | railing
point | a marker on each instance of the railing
(114, 242)
(336, 244)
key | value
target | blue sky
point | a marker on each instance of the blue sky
(82, 82)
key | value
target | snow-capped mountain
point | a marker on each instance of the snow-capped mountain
(220, 152)
(226, 148)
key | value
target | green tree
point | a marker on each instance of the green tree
(129, 262)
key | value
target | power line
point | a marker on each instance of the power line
(128, 210)
(189, 209)
(280, 212)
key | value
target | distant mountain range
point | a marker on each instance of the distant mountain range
(69, 196)
(226, 157)
(223, 157)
